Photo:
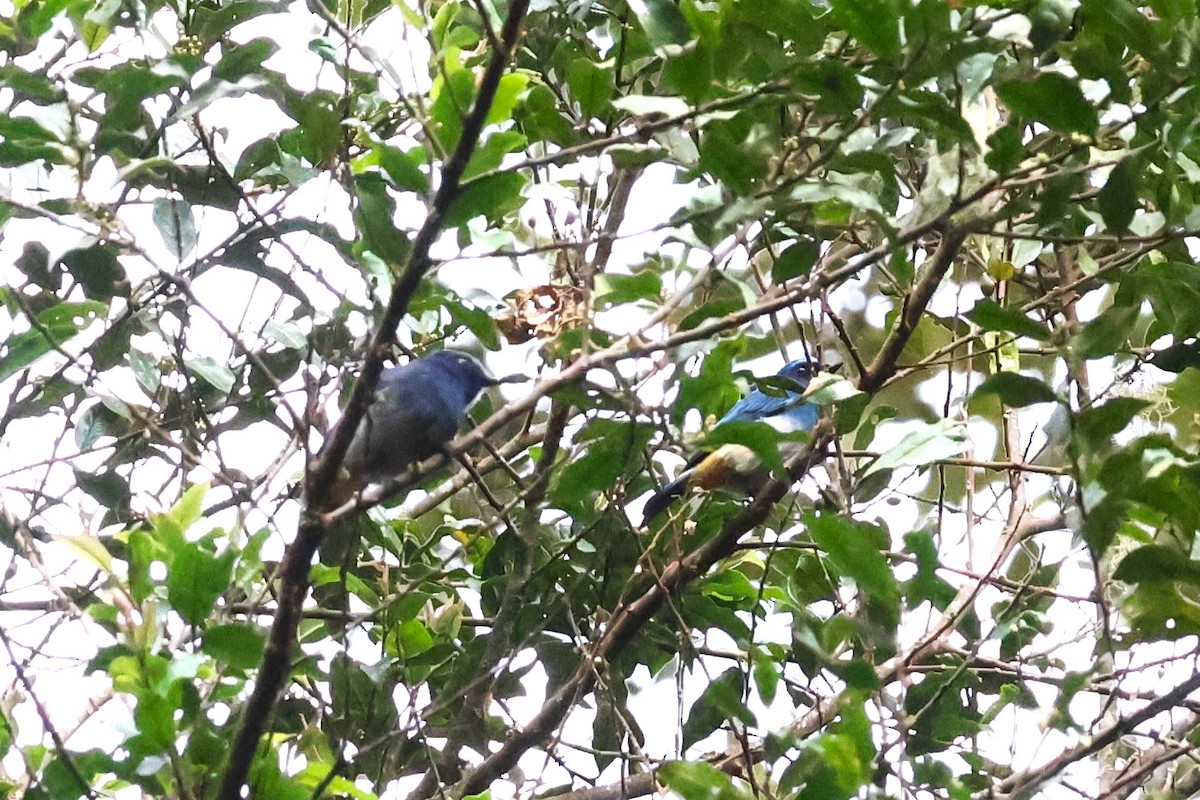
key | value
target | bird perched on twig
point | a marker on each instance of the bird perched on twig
(737, 467)
(417, 409)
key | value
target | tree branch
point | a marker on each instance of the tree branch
(276, 663)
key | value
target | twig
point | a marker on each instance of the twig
(276, 663)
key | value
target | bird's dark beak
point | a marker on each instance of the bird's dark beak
(514, 378)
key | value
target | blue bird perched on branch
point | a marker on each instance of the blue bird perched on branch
(737, 467)
(417, 409)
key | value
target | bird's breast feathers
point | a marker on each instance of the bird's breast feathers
(723, 467)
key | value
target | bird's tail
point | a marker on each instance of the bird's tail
(659, 501)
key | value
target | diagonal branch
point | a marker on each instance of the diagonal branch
(629, 620)
(915, 303)
(276, 663)
(1026, 784)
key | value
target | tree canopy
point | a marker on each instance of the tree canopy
(221, 220)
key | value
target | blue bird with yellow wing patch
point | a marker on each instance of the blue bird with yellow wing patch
(736, 467)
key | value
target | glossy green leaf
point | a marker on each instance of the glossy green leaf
(176, 225)
(698, 780)
(875, 23)
(1016, 390)
(798, 259)
(1152, 563)
(195, 580)
(1053, 99)
(662, 21)
(1118, 200)
(924, 445)
(720, 702)
(56, 326)
(991, 316)
(238, 645)
(1099, 424)
(854, 549)
(218, 376)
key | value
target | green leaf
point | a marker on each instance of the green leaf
(1097, 425)
(109, 489)
(1005, 149)
(923, 446)
(798, 259)
(699, 780)
(614, 290)
(720, 701)
(1053, 99)
(767, 675)
(403, 168)
(285, 334)
(196, 579)
(926, 584)
(611, 448)
(492, 197)
(489, 155)
(183, 515)
(453, 93)
(176, 225)
(57, 325)
(854, 548)
(758, 437)
(414, 638)
(211, 22)
(730, 586)
(256, 158)
(827, 388)
(1108, 332)
(155, 720)
(991, 316)
(33, 85)
(592, 86)
(376, 213)
(245, 59)
(91, 548)
(1016, 390)
(1118, 200)
(216, 375)
(247, 254)
(24, 141)
(875, 23)
(1177, 357)
(214, 90)
(508, 93)
(662, 21)
(1153, 563)
(239, 645)
(96, 422)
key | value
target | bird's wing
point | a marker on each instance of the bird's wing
(757, 406)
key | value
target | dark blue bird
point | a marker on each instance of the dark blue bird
(418, 407)
(736, 467)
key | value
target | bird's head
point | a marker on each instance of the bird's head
(799, 371)
(463, 369)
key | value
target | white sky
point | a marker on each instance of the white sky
(240, 301)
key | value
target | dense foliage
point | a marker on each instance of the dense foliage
(981, 580)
